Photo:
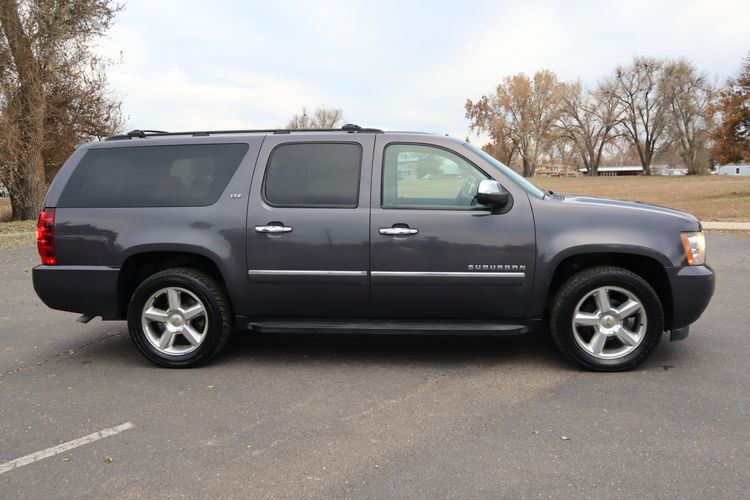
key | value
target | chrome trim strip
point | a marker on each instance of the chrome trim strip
(285, 272)
(432, 274)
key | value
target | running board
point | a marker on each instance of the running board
(445, 327)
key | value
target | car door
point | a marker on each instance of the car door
(308, 226)
(435, 253)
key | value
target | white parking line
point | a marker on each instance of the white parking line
(61, 448)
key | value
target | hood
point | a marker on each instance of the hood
(634, 207)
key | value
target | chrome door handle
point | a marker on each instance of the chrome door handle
(398, 231)
(273, 229)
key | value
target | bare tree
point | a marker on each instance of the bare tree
(322, 117)
(587, 121)
(639, 88)
(525, 110)
(689, 93)
(52, 90)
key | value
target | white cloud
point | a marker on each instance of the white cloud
(412, 65)
(171, 100)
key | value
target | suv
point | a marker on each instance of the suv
(192, 235)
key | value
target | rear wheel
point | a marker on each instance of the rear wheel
(179, 318)
(607, 319)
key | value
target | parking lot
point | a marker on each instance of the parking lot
(372, 416)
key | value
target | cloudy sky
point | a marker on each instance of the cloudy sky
(392, 64)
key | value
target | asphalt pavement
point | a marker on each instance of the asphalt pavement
(83, 415)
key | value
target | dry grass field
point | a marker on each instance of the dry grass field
(710, 198)
(5, 211)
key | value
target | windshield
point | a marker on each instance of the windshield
(515, 177)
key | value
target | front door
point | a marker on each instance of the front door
(435, 253)
(308, 227)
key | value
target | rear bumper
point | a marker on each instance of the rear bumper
(692, 288)
(88, 290)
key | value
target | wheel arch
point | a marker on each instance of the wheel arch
(139, 266)
(645, 266)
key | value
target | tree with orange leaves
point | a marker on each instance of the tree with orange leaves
(732, 136)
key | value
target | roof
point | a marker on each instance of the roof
(618, 168)
(349, 128)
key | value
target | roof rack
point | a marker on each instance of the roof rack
(140, 134)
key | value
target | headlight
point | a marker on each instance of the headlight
(695, 248)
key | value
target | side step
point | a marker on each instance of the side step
(432, 327)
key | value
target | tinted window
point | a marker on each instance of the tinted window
(152, 176)
(417, 176)
(314, 175)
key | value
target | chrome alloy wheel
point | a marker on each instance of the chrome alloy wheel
(609, 322)
(174, 321)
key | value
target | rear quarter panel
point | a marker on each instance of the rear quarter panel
(108, 236)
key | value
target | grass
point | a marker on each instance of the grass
(10, 237)
(710, 198)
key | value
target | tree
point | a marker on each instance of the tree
(587, 121)
(639, 91)
(688, 92)
(322, 117)
(732, 136)
(522, 112)
(53, 90)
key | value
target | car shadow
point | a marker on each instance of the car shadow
(353, 349)
(370, 349)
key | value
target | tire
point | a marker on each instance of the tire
(179, 318)
(607, 319)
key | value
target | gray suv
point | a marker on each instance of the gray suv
(190, 236)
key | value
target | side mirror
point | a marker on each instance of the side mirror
(492, 194)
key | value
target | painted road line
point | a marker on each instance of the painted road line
(62, 448)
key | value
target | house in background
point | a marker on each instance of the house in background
(556, 170)
(733, 170)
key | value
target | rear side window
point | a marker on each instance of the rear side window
(152, 176)
(313, 175)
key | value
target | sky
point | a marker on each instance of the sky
(397, 65)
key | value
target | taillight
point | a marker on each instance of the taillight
(45, 236)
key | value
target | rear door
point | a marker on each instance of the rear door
(308, 226)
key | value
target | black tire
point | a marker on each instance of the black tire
(575, 289)
(217, 315)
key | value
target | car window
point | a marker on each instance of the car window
(324, 175)
(152, 176)
(418, 176)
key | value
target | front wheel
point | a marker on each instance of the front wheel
(607, 319)
(179, 318)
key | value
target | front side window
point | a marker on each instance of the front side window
(417, 176)
(323, 175)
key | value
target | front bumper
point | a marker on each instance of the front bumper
(90, 290)
(692, 288)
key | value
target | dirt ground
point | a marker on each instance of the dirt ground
(710, 198)
(5, 211)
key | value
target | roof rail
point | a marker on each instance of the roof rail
(348, 128)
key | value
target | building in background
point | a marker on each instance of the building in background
(733, 170)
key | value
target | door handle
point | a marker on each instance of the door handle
(273, 229)
(397, 231)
